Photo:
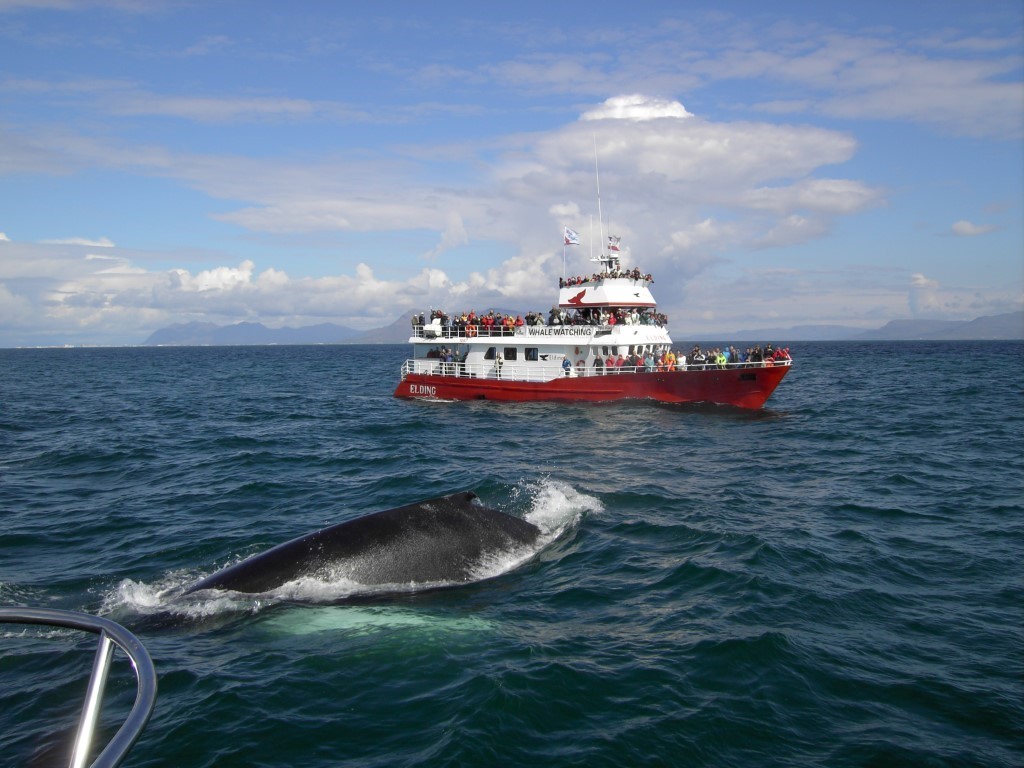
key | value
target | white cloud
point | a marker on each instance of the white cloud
(828, 196)
(453, 236)
(16, 311)
(102, 242)
(792, 230)
(212, 109)
(686, 193)
(923, 296)
(4, 238)
(635, 107)
(965, 228)
(218, 279)
(681, 190)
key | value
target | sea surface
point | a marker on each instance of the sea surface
(833, 580)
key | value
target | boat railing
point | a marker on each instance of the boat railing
(110, 634)
(511, 371)
(488, 370)
(438, 331)
(432, 331)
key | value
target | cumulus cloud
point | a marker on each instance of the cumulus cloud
(681, 190)
(635, 107)
(219, 279)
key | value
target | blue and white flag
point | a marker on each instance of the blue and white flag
(571, 238)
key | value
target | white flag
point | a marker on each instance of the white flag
(571, 238)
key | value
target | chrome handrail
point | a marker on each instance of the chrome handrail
(111, 634)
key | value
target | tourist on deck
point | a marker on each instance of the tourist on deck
(698, 357)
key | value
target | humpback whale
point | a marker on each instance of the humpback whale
(440, 541)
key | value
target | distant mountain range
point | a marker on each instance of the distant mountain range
(996, 327)
(211, 335)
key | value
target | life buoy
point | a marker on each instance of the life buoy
(471, 331)
(577, 350)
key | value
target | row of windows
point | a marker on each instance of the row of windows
(512, 353)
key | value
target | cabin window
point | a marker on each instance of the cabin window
(511, 353)
(489, 354)
(532, 354)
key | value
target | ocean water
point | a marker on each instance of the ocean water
(834, 580)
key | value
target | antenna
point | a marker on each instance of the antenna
(591, 237)
(597, 175)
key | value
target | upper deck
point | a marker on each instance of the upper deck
(644, 329)
(605, 291)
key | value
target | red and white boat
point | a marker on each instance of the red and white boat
(599, 320)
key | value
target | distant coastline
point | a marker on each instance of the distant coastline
(1005, 327)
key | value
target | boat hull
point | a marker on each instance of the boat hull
(740, 387)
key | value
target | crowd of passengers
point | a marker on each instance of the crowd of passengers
(606, 316)
(698, 359)
(631, 274)
(498, 324)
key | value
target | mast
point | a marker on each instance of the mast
(609, 259)
(591, 237)
(597, 176)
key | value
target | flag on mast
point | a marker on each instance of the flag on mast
(613, 243)
(571, 238)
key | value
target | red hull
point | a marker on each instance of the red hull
(741, 387)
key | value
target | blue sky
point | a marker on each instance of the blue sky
(772, 164)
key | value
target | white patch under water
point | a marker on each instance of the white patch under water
(354, 620)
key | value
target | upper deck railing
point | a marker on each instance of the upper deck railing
(469, 332)
(110, 634)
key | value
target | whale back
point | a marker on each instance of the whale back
(441, 540)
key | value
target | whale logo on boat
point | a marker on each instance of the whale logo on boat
(440, 542)
(578, 298)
